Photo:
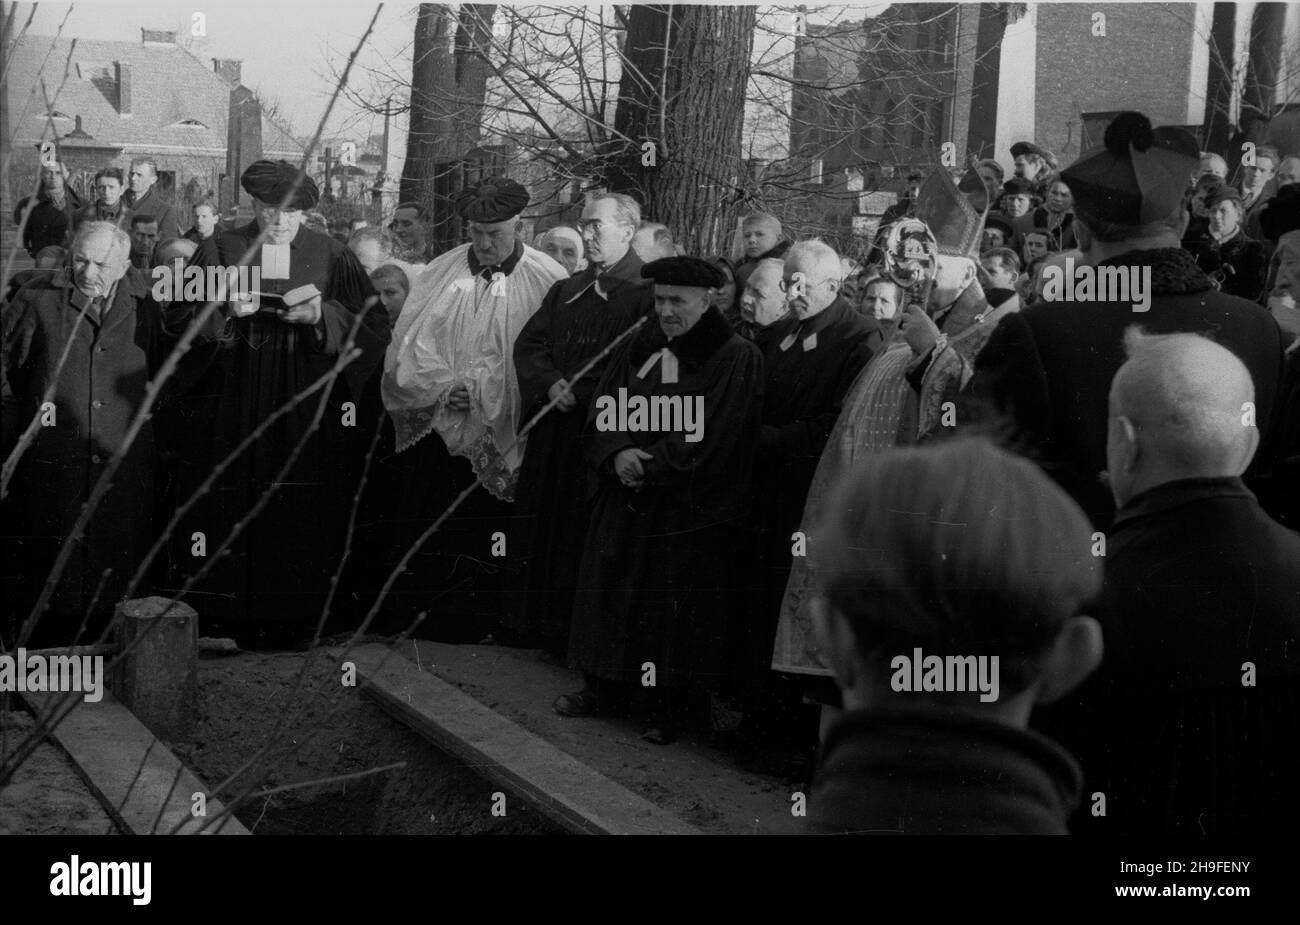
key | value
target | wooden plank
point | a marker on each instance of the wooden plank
(109, 748)
(557, 784)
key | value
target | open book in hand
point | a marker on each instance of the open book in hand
(251, 302)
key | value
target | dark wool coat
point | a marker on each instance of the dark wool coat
(574, 324)
(658, 576)
(95, 399)
(1045, 373)
(1200, 583)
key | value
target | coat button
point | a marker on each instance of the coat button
(99, 349)
(96, 459)
(96, 403)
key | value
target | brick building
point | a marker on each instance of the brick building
(124, 100)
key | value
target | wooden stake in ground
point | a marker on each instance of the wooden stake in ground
(157, 679)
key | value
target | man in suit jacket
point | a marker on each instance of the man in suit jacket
(1046, 371)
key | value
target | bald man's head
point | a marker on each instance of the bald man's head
(1181, 407)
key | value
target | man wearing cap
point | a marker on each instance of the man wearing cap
(1046, 371)
(579, 318)
(269, 589)
(998, 232)
(1035, 164)
(86, 339)
(451, 390)
(906, 392)
(675, 424)
(1017, 197)
(1235, 261)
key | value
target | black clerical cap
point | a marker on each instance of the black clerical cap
(684, 271)
(495, 199)
(270, 181)
(1138, 175)
(1028, 147)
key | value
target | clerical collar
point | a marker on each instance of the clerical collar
(804, 332)
(697, 344)
(505, 267)
(606, 282)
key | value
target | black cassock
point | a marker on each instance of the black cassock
(579, 318)
(658, 580)
(272, 585)
(809, 366)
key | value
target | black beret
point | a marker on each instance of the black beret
(1028, 147)
(1001, 223)
(270, 181)
(492, 200)
(1223, 194)
(1139, 174)
(684, 271)
(1019, 186)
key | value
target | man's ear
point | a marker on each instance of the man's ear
(1129, 451)
(1247, 449)
(1075, 654)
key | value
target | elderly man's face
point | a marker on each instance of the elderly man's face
(680, 307)
(281, 225)
(493, 242)
(809, 285)
(108, 190)
(763, 302)
(564, 247)
(409, 230)
(759, 237)
(1224, 219)
(1028, 166)
(1288, 171)
(881, 300)
(605, 238)
(205, 221)
(98, 261)
(141, 178)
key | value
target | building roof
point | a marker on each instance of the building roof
(178, 104)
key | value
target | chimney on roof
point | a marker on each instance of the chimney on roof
(229, 69)
(122, 72)
(157, 37)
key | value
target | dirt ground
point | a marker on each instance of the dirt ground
(337, 732)
(334, 731)
(45, 796)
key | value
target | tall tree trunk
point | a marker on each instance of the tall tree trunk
(1218, 83)
(988, 67)
(448, 87)
(682, 89)
(1267, 25)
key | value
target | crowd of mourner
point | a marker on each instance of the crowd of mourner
(1003, 560)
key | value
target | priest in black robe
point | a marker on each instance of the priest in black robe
(810, 359)
(676, 425)
(253, 357)
(580, 317)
